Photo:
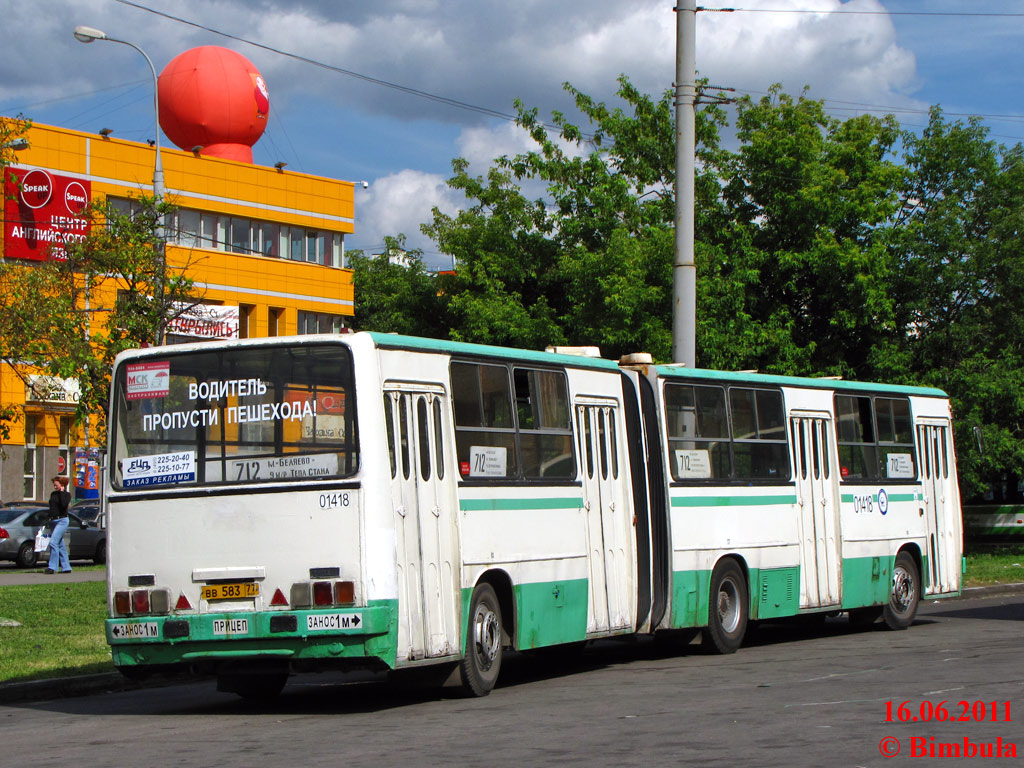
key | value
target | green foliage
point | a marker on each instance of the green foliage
(11, 129)
(824, 247)
(50, 318)
(394, 292)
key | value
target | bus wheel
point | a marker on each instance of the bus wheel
(904, 594)
(727, 615)
(482, 662)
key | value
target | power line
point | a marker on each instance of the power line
(366, 78)
(863, 13)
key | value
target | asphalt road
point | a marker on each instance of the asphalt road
(796, 695)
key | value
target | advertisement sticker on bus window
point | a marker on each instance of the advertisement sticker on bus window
(693, 465)
(899, 466)
(148, 380)
(487, 461)
(290, 467)
(160, 469)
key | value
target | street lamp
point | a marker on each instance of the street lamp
(87, 35)
(16, 144)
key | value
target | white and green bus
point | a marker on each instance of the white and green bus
(374, 501)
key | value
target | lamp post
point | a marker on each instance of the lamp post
(87, 35)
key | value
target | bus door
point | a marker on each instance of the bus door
(816, 500)
(607, 528)
(425, 524)
(935, 452)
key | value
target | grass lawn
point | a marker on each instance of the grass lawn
(61, 630)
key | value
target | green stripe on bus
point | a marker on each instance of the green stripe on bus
(848, 497)
(469, 505)
(732, 501)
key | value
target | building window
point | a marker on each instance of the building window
(190, 228)
(319, 322)
(246, 321)
(275, 321)
(31, 429)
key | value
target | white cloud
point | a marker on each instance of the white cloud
(398, 204)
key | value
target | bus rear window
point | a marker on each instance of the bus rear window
(242, 415)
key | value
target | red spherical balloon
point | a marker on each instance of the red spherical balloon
(214, 98)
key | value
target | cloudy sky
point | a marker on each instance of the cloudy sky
(364, 123)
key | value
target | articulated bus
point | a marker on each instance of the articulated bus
(380, 502)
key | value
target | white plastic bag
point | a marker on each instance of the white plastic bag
(42, 540)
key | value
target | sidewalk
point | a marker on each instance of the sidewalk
(11, 576)
(110, 682)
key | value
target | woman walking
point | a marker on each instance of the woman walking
(60, 499)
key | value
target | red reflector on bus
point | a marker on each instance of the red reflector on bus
(183, 604)
(122, 603)
(140, 601)
(278, 598)
(344, 593)
(322, 593)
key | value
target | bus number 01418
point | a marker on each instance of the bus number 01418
(334, 500)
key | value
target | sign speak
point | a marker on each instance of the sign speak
(42, 213)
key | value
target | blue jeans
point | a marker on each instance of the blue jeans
(58, 551)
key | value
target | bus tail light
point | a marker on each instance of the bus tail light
(140, 601)
(322, 593)
(306, 594)
(123, 603)
(344, 593)
(160, 600)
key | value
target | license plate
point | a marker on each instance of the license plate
(238, 591)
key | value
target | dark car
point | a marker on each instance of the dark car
(89, 511)
(18, 526)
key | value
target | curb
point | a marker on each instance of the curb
(66, 687)
(115, 682)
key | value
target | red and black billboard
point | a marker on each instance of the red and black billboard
(43, 212)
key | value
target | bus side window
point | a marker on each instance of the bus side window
(403, 420)
(438, 445)
(423, 438)
(389, 424)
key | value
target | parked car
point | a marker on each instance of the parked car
(86, 510)
(18, 526)
(88, 539)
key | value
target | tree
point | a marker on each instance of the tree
(958, 241)
(11, 131)
(394, 292)
(590, 261)
(115, 290)
(804, 267)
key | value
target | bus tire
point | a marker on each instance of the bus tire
(480, 666)
(727, 609)
(904, 593)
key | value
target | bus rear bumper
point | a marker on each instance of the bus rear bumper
(205, 640)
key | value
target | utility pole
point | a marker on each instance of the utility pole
(684, 270)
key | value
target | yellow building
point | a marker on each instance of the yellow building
(265, 247)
